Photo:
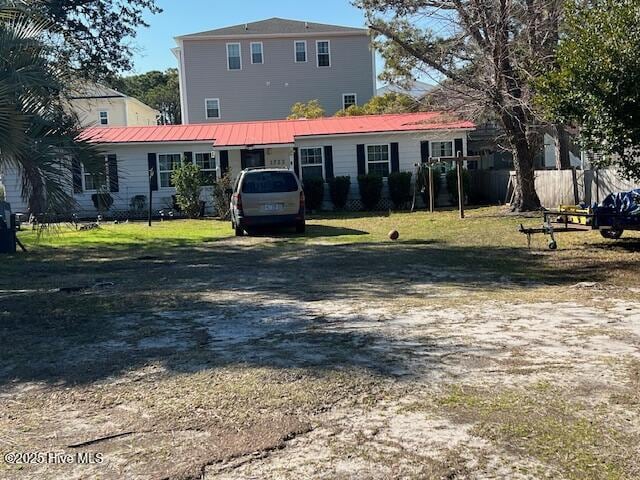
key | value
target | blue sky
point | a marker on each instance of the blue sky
(189, 16)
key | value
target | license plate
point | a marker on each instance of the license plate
(273, 207)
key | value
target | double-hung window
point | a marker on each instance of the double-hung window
(311, 160)
(104, 118)
(301, 51)
(212, 106)
(96, 181)
(349, 100)
(234, 60)
(257, 56)
(442, 149)
(378, 159)
(207, 164)
(324, 53)
(167, 163)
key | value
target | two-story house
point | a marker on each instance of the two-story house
(258, 70)
(98, 105)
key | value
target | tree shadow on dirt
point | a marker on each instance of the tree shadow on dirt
(190, 307)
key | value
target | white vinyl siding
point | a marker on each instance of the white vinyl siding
(378, 159)
(442, 149)
(212, 108)
(207, 164)
(311, 162)
(348, 100)
(257, 53)
(167, 163)
(323, 53)
(300, 51)
(234, 56)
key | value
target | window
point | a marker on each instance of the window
(234, 61)
(269, 182)
(442, 149)
(212, 106)
(301, 51)
(311, 161)
(324, 53)
(207, 164)
(256, 53)
(104, 118)
(98, 181)
(167, 163)
(378, 160)
(348, 100)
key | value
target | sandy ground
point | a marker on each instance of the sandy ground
(429, 378)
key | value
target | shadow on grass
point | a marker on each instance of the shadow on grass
(162, 297)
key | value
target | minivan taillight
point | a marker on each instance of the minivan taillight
(238, 199)
(302, 201)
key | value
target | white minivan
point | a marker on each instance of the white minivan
(267, 197)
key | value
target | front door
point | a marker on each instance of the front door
(252, 158)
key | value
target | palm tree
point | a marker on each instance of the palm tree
(38, 138)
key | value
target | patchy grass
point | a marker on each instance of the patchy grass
(543, 422)
(192, 339)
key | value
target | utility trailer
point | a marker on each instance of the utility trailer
(617, 213)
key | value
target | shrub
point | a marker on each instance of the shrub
(339, 189)
(452, 184)
(370, 190)
(138, 203)
(222, 191)
(422, 184)
(187, 180)
(313, 192)
(400, 188)
(102, 201)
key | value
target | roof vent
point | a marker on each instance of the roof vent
(306, 24)
(246, 26)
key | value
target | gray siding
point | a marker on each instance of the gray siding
(267, 91)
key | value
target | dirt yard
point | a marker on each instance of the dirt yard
(455, 353)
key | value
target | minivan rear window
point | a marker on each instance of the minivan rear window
(269, 182)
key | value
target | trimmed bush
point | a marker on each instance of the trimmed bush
(188, 182)
(339, 189)
(422, 184)
(370, 190)
(222, 191)
(452, 184)
(102, 201)
(313, 192)
(400, 188)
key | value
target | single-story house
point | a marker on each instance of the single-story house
(326, 147)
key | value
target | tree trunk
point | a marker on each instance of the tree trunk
(525, 198)
(561, 142)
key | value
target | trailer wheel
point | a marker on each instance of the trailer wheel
(553, 245)
(612, 234)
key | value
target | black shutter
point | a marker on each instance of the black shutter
(296, 163)
(224, 161)
(328, 162)
(424, 152)
(395, 157)
(153, 170)
(458, 149)
(362, 168)
(112, 172)
(76, 172)
(188, 157)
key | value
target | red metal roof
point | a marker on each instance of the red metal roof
(275, 132)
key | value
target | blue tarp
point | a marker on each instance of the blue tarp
(622, 208)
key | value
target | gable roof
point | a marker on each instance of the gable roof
(95, 90)
(275, 26)
(276, 132)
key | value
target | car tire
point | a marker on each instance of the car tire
(612, 234)
(301, 227)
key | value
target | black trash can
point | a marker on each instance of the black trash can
(8, 234)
